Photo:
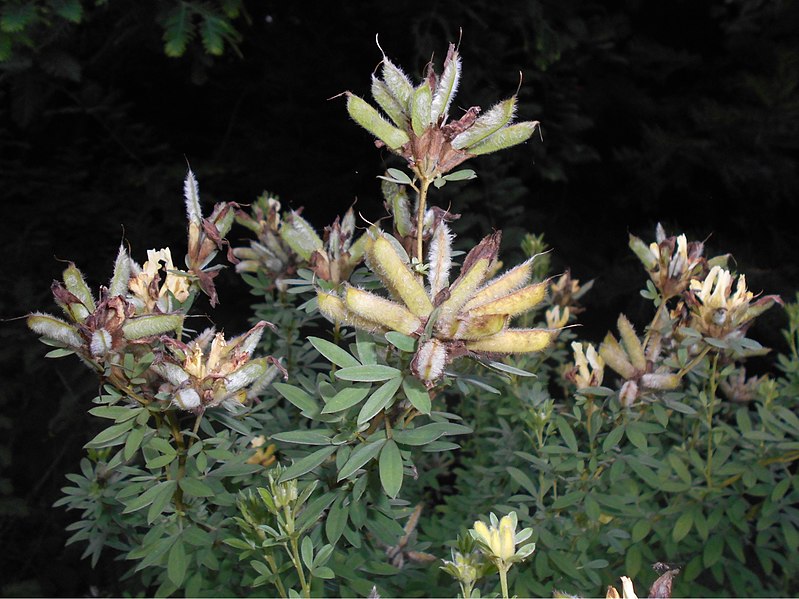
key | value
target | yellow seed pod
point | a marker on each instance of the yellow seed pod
(489, 123)
(515, 303)
(386, 312)
(505, 138)
(611, 351)
(513, 341)
(472, 327)
(332, 307)
(502, 285)
(631, 343)
(397, 277)
(462, 289)
(367, 117)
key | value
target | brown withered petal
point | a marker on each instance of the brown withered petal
(661, 588)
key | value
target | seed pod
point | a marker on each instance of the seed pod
(247, 342)
(187, 399)
(614, 356)
(506, 283)
(632, 345)
(440, 259)
(245, 375)
(662, 381)
(505, 138)
(151, 324)
(191, 194)
(429, 362)
(121, 277)
(54, 328)
(490, 122)
(447, 85)
(515, 303)
(474, 271)
(333, 308)
(300, 236)
(368, 118)
(513, 341)
(397, 200)
(420, 108)
(76, 285)
(643, 252)
(170, 372)
(397, 83)
(388, 103)
(397, 277)
(471, 327)
(375, 308)
(100, 344)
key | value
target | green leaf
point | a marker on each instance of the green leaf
(359, 457)
(683, 526)
(307, 463)
(195, 487)
(71, 10)
(306, 551)
(401, 341)
(379, 400)
(640, 530)
(165, 487)
(712, 551)
(304, 437)
(636, 437)
(417, 394)
(399, 176)
(346, 398)
(113, 435)
(391, 468)
(177, 563)
(567, 500)
(178, 30)
(16, 16)
(613, 439)
(117, 413)
(336, 521)
(334, 353)
(429, 433)
(297, 396)
(566, 433)
(461, 175)
(502, 367)
(133, 442)
(524, 480)
(367, 373)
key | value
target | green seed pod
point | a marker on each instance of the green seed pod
(447, 85)
(388, 103)
(490, 122)
(300, 236)
(245, 375)
(420, 108)
(100, 344)
(121, 276)
(367, 117)
(643, 252)
(76, 285)
(397, 200)
(505, 138)
(151, 324)
(397, 83)
(54, 328)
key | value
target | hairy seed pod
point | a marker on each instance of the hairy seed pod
(471, 327)
(397, 198)
(662, 381)
(420, 108)
(504, 284)
(76, 285)
(513, 341)
(490, 122)
(171, 373)
(54, 328)
(245, 375)
(429, 362)
(367, 117)
(611, 351)
(447, 85)
(505, 138)
(397, 83)
(300, 236)
(389, 104)
(151, 324)
(643, 252)
(513, 304)
(440, 255)
(332, 307)
(187, 399)
(397, 277)
(121, 276)
(100, 344)
(386, 312)
(632, 345)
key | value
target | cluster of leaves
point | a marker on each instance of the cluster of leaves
(686, 461)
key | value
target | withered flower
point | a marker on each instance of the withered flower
(419, 128)
(470, 316)
(589, 367)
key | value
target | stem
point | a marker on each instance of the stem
(181, 447)
(420, 209)
(270, 559)
(711, 401)
(295, 557)
(503, 580)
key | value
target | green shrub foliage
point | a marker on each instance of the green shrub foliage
(401, 400)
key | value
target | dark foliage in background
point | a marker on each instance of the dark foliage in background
(681, 112)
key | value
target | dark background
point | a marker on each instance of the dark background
(681, 112)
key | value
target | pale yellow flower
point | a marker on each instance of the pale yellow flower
(149, 291)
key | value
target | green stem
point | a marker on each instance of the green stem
(270, 559)
(177, 435)
(503, 580)
(420, 210)
(295, 557)
(711, 404)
